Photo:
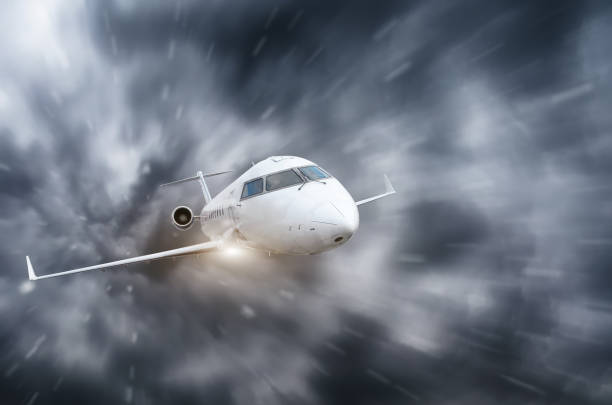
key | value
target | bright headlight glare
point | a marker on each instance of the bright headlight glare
(232, 251)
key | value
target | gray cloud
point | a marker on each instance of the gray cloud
(484, 279)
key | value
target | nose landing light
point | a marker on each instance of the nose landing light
(339, 239)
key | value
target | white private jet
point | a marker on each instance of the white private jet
(281, 205)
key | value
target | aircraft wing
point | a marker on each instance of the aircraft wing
(388, 191)
(184, 251)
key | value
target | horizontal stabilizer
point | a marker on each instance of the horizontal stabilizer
(199, 177)
(388, 191)
(196, 177)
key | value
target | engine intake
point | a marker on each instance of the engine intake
(182, 217)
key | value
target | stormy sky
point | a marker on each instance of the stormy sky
(485, 279)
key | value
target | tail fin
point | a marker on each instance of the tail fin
(199, 176)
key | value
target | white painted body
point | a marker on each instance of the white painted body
(299, 219)
(305, 218)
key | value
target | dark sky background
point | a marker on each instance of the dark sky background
(485, 279)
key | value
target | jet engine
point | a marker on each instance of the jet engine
(182, 217)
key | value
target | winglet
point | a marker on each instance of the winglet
(388, 191)
(388, 186)
(31, 274)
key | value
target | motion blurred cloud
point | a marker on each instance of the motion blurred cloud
(485, 279)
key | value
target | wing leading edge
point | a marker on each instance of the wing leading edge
(187, 250)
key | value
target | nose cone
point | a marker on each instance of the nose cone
(350, 222)
(340, 213)
(347, 221)
(333, 217)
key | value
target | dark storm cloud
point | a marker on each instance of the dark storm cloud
(275, 54)
(266, 52)
(439, 224)
(21, 181)
(483, 280)
(381, 370)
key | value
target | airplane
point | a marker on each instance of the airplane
(281, 205)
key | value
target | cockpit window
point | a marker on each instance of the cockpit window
(252, 187)
(313, 172)
(282, 179)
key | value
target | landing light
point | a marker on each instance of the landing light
(232, 251)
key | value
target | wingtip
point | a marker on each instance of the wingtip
(388, 186)
(31, 274)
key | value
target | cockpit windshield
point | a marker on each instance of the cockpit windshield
(286, 178)
(282, 179)
(313, 172)
(252, 188)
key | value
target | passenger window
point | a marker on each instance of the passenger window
(282, 179)
(252, 188)
(313, 172)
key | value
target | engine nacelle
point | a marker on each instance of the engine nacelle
(182, 217)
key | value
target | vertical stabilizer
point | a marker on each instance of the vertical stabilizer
(204, 186)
